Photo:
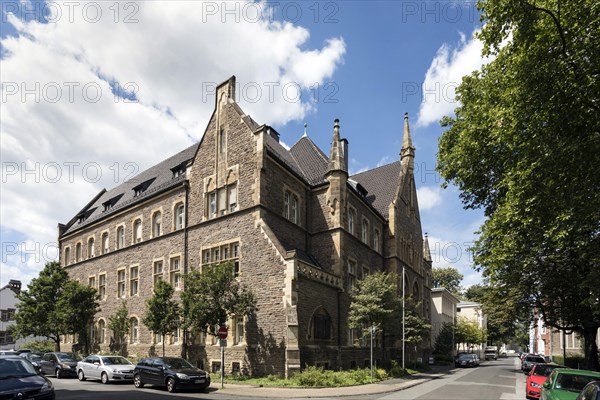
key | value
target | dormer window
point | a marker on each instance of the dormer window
(178, 170)
(80, 218)
(141, 188)
(108, 205)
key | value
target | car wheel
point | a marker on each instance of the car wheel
(104, 378)
(81, 375)
(137, 381)
(58, 373)
(171, 385)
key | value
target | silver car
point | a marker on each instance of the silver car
(105, 368)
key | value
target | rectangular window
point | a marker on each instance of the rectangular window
(351, 275)
(120, 237)
(222, 194)
(212, 205)
(175, 338)
(238, 326)
(104, 243)
(290, 206)
(137, 231)
(121, 283)
(158, 272)
(102, 286)
(133, 281)
(351, 215)
(175, 275)
(232, 198)
(158, 338)
(365, 231)
(229, 253)
(222, 138)
(92, 281)
(376, 241)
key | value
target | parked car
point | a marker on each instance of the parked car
(20, 380)
(537, 377)
(105, 368)
(33, 358)
(591, 391)
(566, 384)
(529, 362)
(491, 353)
(59, 364)
(8, 353)
(466, 360)
(174, 373)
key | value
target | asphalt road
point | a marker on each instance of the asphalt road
(493, 380)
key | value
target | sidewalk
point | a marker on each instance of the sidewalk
(390, 385)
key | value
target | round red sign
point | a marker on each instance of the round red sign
(222, 332)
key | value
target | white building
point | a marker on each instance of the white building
(473, 311)
(443, 310)
(8, 308)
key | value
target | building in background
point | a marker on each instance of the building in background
(443, 310)
(473, 312)
(300, 230)
(9, 304)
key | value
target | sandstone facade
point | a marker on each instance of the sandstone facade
(300, 228)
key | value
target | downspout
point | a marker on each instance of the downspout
(339, 329)
(186, 186)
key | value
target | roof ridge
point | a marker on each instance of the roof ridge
(297, 163)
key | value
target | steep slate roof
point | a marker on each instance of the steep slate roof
(311, 160)
(381, 185)
(162, 176)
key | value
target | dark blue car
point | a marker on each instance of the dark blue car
(171, 372)
(20, 380)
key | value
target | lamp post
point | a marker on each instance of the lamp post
(372, 329)
(403, 306)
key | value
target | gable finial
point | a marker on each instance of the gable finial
(305, 133)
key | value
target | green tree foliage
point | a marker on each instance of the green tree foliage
(416, 329)
(119, 324)
(476, 293)
(162, 312)
(212, 295)
(76, 308)
(444, 342)
(38, 313)
(375, 301)
(468, 333)
(524, 145)
(448, 278)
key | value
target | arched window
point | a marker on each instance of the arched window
(101, 331)
(156, 224)
(67, 256)
(78, 252)
(133, 330)
(179, 216)
(105, 243)
(321, 325)
(137, 231)
(365, 231)
(376, 241)
(351, 216)
(120, 237)
(91, 248)
(415, 292)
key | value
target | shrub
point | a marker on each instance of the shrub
(311, 376)
(45, 346)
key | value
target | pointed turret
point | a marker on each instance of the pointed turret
(338, 156)
(426, 251)
(407, 154)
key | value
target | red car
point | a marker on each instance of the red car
(537, 377)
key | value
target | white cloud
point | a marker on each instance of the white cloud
(429, 197)
(445, 73)
(65, 135)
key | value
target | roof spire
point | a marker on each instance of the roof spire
(305, 133)
(426, 251)
(337, 157)
(408, 150)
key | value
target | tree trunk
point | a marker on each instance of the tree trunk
(57, 343)
(163, 343)
(590, 349)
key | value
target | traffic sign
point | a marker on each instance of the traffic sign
(222, 332)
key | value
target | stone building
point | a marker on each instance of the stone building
(300, 230)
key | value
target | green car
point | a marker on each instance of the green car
(565, 384)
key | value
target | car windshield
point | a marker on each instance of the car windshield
(115, 361)
(66, 357)
(543, 369)
(466, 356)
(12, 368)
(34, 357)
(177, 363)
(573, 383)
(535, 359)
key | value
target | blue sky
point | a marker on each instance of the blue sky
(93, 92)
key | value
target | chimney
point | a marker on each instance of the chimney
(15, 286)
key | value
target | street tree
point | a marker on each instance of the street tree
(444, 342)
(75, 309)
(162, 312)
(38, 314)
(212, 295)
(448, 278)
(524, 145)
(119, 324)
(468, 333)
(416, 328)
(375, 301)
